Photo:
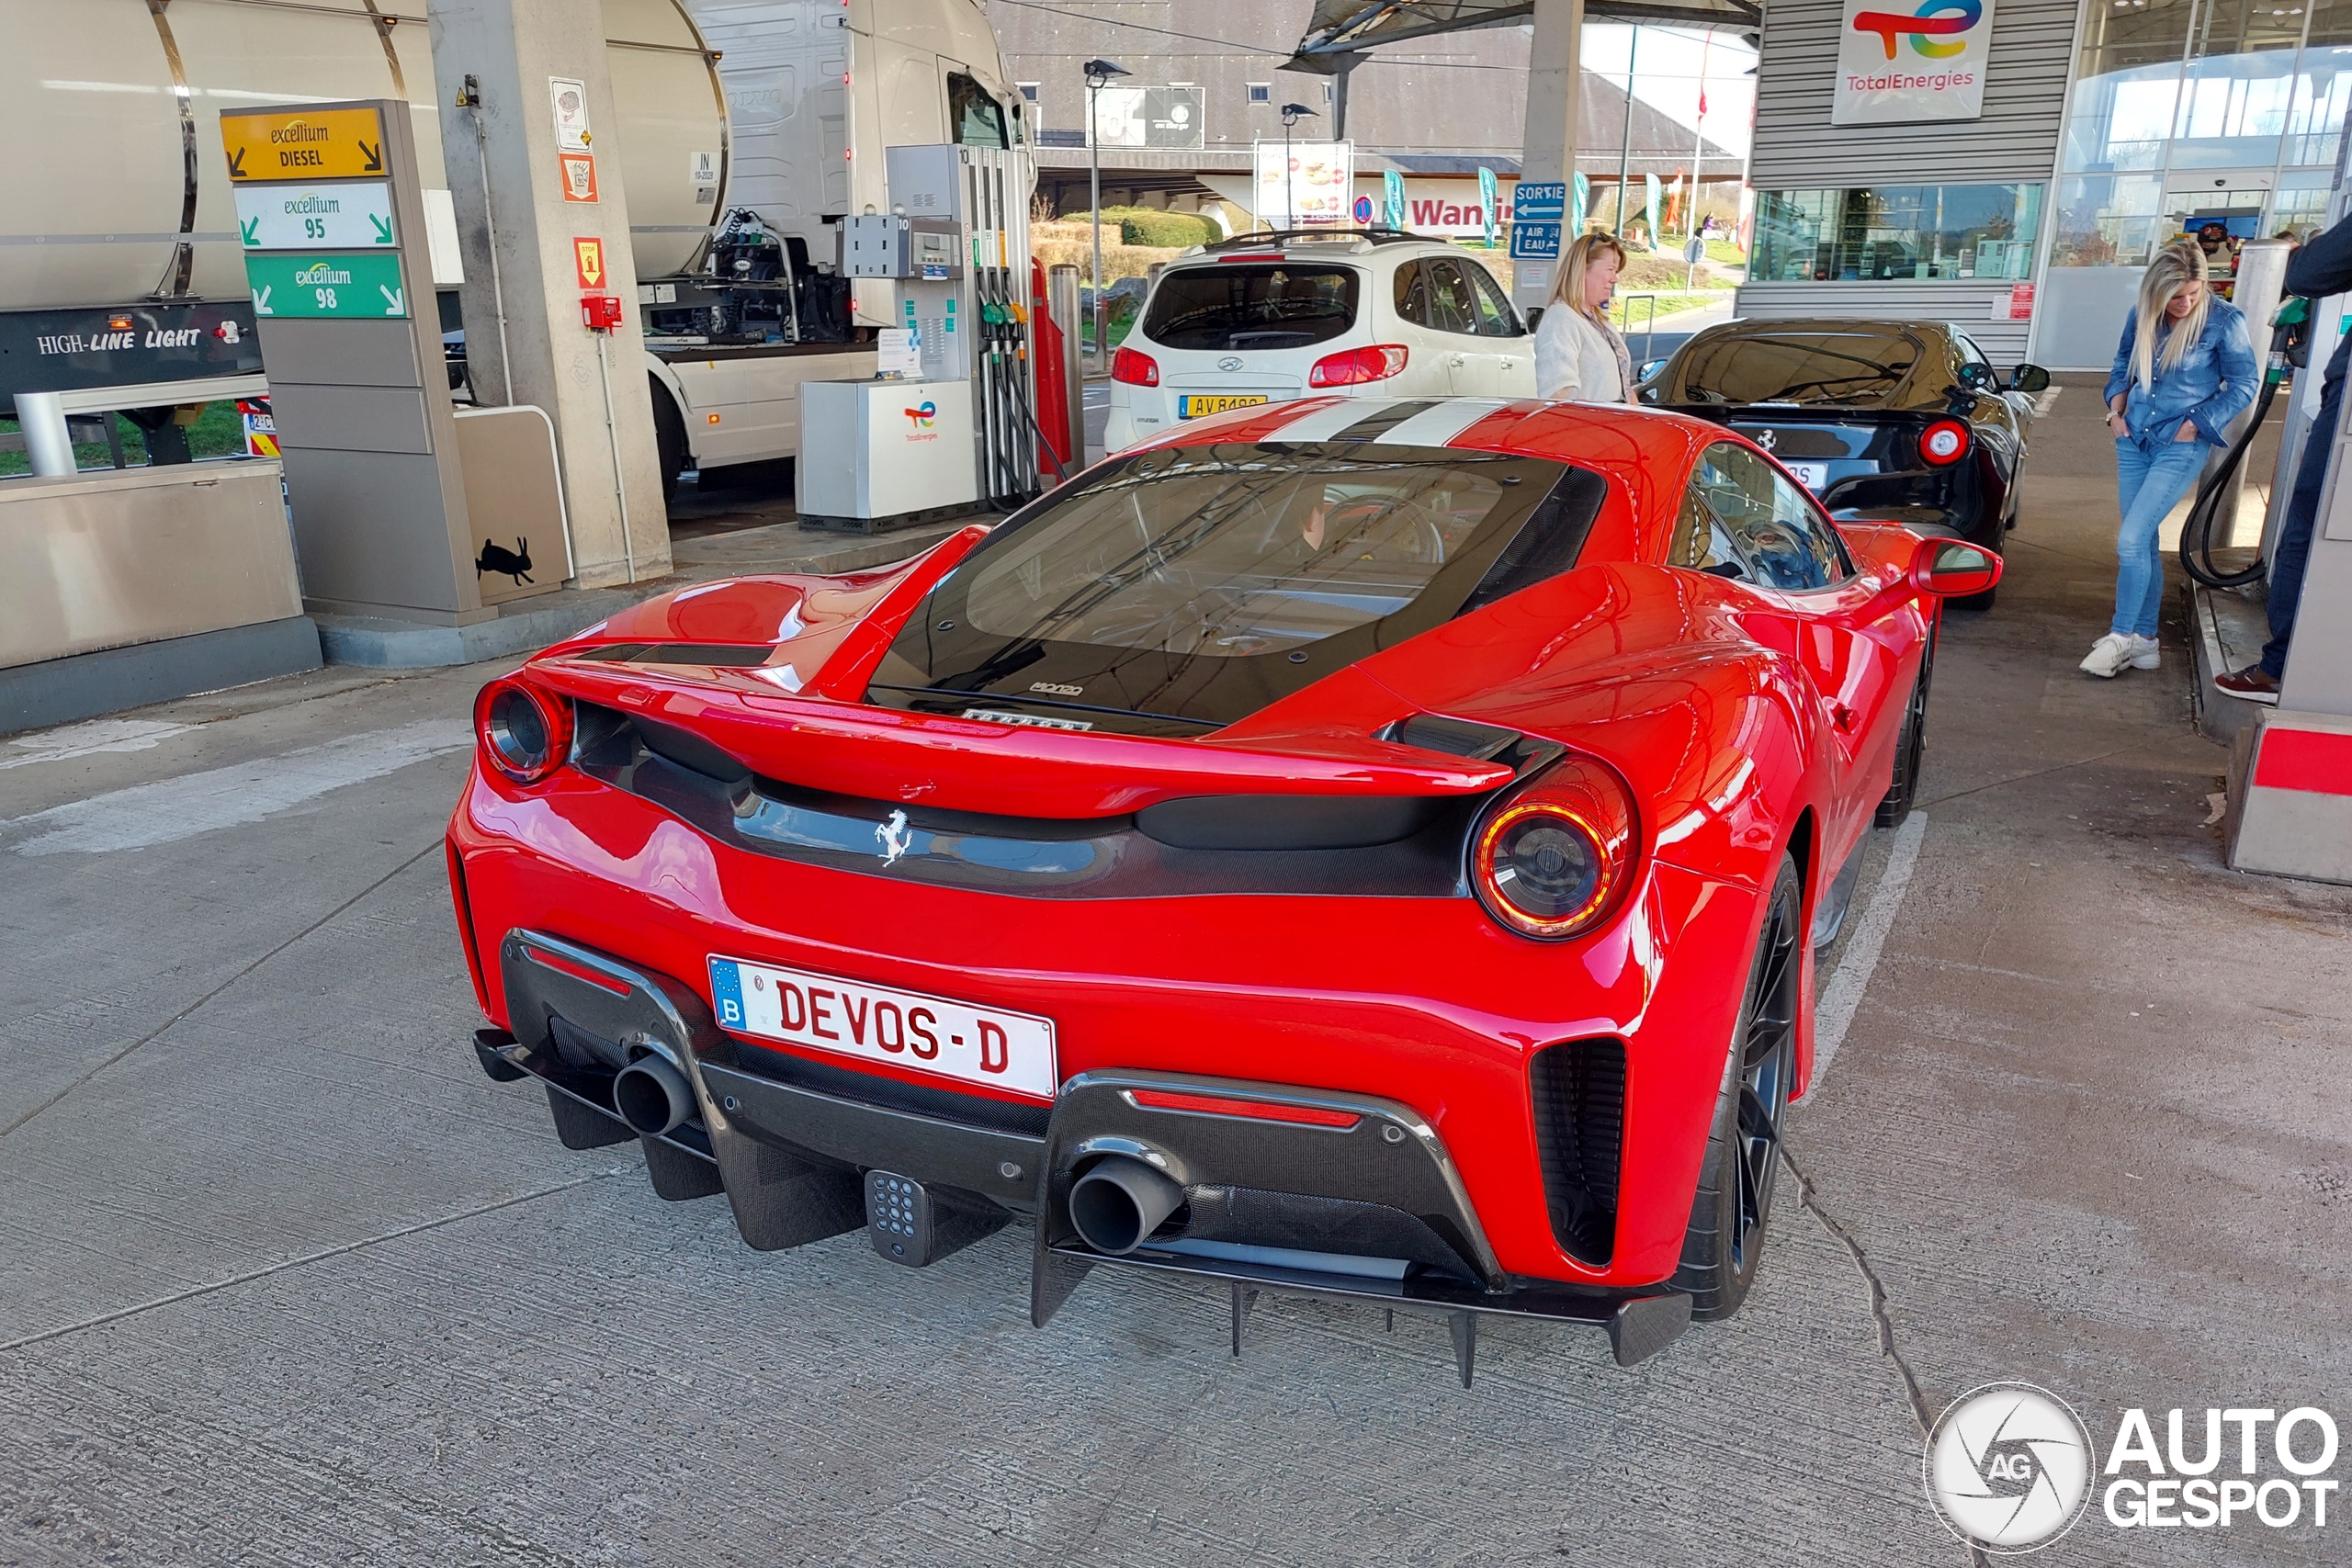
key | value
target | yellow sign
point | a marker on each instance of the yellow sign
(278, 144)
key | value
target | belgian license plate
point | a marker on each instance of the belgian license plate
(1195, 407)
(1012, 1051)
(1812, 476)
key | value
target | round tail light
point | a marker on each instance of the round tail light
(523, 732)
(1946, 441)
(1552, 860)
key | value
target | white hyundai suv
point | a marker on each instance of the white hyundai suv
(1265, 318)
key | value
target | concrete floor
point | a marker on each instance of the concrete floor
(284, 1279)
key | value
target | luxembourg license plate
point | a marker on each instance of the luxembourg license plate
(1012, 1051)
(1191, 407)
(1812, 476)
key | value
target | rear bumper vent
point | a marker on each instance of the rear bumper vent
(1578, 1094)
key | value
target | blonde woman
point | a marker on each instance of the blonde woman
(2183, 371)
(1578, 356)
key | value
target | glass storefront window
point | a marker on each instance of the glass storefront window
(2196, 108)
(1897, 231)
(2107, 219)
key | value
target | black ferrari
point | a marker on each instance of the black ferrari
(1900, 422)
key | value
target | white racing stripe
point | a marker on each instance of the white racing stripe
(1324, 424)
(1435, 427)
(172, 809)
(1834, 1013)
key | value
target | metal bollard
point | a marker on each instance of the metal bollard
(1061, 298)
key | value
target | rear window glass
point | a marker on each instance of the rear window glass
(1204, 553)
(1859, 367)
(1273, 305)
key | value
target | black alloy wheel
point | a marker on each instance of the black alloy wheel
(1910, 750)
(1724, 1246)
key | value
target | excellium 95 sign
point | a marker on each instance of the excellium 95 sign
(1901, 61)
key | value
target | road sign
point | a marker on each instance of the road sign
(589, 255)
(348, 287)
(314, 217)
(1535, 242)
(1540, 202)
(319, 144)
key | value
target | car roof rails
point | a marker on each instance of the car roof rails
(1260, 238)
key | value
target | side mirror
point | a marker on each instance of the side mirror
(1649, 367)
(2029, 379)
(1954, 569)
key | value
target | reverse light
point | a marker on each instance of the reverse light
(1944, 441)
(1552, 860)
(1359, 366)
(524, 733)
(1134, 369)
(1256, 1109)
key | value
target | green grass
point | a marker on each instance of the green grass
(216, 434)
(1667, 305)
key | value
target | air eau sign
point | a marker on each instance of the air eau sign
(1902, 61)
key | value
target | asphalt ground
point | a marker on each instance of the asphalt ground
(285, 1280)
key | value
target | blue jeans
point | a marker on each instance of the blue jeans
(2294, 546)
(2148, 481)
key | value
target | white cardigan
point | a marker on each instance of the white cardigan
(1579, 360)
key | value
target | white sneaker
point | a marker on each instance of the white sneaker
(2145, 654)
(2113, 654)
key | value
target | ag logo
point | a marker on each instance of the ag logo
(924, 416)
(1938, 18)
(2008, 1466)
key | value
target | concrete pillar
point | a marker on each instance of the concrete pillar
(511, 49)
(1548, 145)
(47, 445)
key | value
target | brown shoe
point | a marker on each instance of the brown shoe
(2253, 684)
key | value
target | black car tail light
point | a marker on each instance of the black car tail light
(525, 733)
(1551, 859)
(1576, 1091)
(1944, 441)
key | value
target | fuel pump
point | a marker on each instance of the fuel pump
(2291, 336)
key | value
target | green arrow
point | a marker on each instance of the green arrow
(251, 226)
(261, 302)
(383, 229)
(394, 307)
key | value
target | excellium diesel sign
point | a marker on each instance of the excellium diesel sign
(1901, 61)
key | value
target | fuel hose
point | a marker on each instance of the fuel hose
(2289, 346)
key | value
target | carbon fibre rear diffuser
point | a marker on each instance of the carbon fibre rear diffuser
(1638, 1326)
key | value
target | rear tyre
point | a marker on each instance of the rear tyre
(1978, 600)
(669, 441)
(1910, 750)
(1724, 1246)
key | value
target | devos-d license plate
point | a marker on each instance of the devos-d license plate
(1011, 1051)
(1812, 476)
(1190, 407)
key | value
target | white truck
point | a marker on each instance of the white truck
(121, 275)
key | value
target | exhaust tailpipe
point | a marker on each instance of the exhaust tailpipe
(652, 1097)
(1121, 1201)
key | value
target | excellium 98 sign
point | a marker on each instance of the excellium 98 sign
(1901, 61)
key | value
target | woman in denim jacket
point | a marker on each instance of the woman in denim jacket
(2183, 371)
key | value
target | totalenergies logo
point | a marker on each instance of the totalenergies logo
(923, 417)
(1934, 19)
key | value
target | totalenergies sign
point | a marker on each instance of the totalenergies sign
(1901, 60)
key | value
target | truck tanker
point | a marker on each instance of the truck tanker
(748, 129)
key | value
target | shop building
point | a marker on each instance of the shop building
(2104, 127)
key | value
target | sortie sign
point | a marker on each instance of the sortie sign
(317, 144)
(1901, 62)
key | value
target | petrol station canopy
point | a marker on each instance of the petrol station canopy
(1339, 28)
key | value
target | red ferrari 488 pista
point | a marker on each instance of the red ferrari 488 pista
(1372, 850)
